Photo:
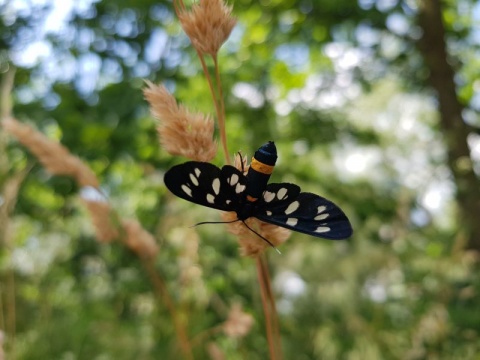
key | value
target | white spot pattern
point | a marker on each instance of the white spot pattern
(268, 196)
(210, 198)
(292, 221)
(233, 179)
(269, 213)
(321, 217)
(239, 188)
(186, 190)
(216, 186)
(322, 229)
(281, 193)
(197, 172)
(321, 209)
(193, 179)
(292, 207)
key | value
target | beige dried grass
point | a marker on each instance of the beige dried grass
(181, 132)
(190, 271)
(251, 244)
(215, 352)
(59, 161)
(138, 239)
(109, 227)
(207, 23)
(101, 215)
(53, 156)
(240, 162)
(239, 323)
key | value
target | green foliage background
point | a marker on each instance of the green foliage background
(342, 89)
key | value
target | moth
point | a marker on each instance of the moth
(250, 195)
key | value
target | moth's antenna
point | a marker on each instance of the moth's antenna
(260, 236)
(241, 161)
(214, 222)
(244, 223)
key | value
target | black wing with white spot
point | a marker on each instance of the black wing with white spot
(278, 195)
(303, 212)
(206, 184)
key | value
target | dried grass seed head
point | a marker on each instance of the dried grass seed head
(240, 162)
(53, 156)
(251, 244)
(101, 216)
(239, 323)
(139, 240)
(208, 24)
(214, 351)
(181, 132)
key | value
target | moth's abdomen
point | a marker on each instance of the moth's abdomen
(260, 170)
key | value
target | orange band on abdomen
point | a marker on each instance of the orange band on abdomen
(251, 199)
(261, 167)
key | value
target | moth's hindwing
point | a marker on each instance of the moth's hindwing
(307, 213)
(205, 184)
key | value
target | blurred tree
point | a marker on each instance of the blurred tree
(455, 130)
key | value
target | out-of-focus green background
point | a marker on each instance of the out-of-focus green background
(366, 109)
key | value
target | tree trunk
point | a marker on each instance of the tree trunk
(455, 131)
